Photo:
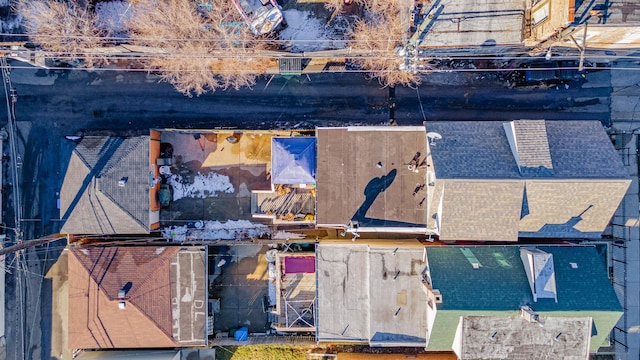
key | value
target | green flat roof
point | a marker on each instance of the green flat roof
(500, 282)
(499, 287)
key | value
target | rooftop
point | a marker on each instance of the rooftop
(106, 187)
(564, 149)
(475, 23)
(464, 287)
(137, 297)
(497, 337)
(603, 12)
(295, 285)
(372, 175)
(371, 293)
(528, 178)
(224, 176)
(191, 354)
(491, 280)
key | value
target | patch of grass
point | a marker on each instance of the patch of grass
(262, 352)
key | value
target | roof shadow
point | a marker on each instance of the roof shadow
(374, 188)
(564, 229)
(379, 336)
(104, 155)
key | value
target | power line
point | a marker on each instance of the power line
(259, 72)
(343, 52)
(226, 38)
(9, 92)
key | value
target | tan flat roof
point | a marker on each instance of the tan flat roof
(363, 176)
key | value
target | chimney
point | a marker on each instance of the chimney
(122, 305)
(122, 293)
(123, 181)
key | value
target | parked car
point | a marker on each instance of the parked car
(165, 195)
(549, 72)
(262, 16)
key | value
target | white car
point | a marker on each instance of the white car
(262, 16)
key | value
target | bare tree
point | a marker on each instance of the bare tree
(377, 38)
(67, 28)
(198, 50)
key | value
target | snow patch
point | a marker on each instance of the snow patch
(203, 186)
(284, 235)
(215, 230)
(111, 17)
(11, 24)
(308, 33)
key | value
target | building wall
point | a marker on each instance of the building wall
(560, 16)
(154, 154)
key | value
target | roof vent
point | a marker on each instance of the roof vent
(431, 178)
(122, 293)
(437, 296)
(540, 272)
(122, 305)
(528, 314)
(123, 181)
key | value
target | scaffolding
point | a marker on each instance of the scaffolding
(295, 297)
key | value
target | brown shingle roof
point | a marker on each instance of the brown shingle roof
(532, 144)
(480, 209)
(96, 275)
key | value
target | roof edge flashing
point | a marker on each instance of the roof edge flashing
(510, 131)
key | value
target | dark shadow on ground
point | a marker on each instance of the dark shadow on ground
(241, 285)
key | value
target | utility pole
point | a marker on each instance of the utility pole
(11, 97)
(392, 105)
(30, 243)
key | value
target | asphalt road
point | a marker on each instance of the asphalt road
(116, 100)
(54, 104)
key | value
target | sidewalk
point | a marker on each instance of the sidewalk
(625, 113)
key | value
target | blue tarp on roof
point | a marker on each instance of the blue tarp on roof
(293, 160)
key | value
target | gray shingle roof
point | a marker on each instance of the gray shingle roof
(480, 150)
(472, 150)
(582, 149)
(91, 199)
(568, 185)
